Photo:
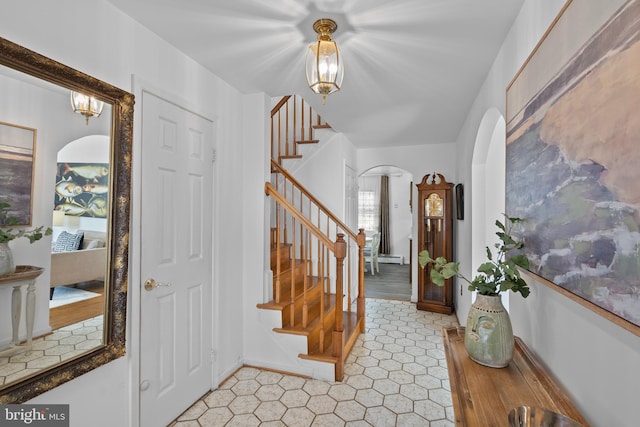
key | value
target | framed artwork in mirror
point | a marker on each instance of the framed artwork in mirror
(17, 156)
(82, 189)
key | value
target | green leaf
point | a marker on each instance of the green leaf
(450, 269)
(424, 258)
(436, 277)
(507, 239)
(486, 268)
(520, 260)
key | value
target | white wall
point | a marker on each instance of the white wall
(120, 49)
(322, 171)
(400, 214)
(595, 360)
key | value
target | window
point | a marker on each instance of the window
(367, 210)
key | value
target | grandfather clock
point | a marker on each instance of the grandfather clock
(435, 234)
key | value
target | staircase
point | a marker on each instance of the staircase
(316, 260)
(293, 123)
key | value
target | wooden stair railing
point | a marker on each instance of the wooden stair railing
(292, 123)
(316, 280)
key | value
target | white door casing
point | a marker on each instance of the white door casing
(351, 198)
(176, 262)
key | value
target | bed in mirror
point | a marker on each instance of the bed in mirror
(81, 172)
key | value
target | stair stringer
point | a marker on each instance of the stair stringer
(290, 346)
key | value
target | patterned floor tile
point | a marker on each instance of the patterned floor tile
(396, 375)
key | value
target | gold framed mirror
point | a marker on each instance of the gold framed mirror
(119, 103)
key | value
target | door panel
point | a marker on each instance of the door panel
(176, 318)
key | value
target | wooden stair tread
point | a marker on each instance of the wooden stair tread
(322, 126)
(298, 329)
(308, 141)
(351, 328)
(291, 156)
(313, 281)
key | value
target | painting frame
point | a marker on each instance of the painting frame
(17, 162)
(459, 189)
(82, 189)
(557, 135)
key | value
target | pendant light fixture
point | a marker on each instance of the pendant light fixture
(86, 105)
(324, 62)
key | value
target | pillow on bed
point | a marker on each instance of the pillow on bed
(68, 242)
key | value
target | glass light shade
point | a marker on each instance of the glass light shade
(323, 62)
(86, 105)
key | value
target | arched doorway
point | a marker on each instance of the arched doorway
(488, 191)
(391, 278)
(80, 215)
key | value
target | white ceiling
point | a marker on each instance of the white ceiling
(412, 67)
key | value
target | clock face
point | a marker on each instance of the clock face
(434, 206)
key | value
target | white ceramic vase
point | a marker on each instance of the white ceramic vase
(6, 260)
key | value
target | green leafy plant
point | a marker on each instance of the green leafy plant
(499, 273)
(8, 232)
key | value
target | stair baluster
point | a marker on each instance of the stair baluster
(316, 294)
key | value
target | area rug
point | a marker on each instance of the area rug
(63, 295)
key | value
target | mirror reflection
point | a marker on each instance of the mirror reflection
(71, 192)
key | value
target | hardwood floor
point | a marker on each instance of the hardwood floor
(75, 312)
(392, 282)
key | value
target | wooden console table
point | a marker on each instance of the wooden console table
(24, 275)
(483, 396)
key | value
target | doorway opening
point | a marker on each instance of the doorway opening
(384, 212)
(80, 226)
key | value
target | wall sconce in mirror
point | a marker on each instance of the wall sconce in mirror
(86, 105)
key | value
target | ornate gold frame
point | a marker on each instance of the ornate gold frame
(34, 64)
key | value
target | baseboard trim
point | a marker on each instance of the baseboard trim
(391, 259)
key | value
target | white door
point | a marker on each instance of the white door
(176, 260)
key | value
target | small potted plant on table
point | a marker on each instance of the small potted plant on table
(9, 232)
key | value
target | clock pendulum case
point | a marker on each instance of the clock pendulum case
(435, 234)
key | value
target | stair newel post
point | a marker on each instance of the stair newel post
(361, 238)
(340, 251)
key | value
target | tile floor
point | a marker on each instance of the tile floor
(396, 375)
(48, 350)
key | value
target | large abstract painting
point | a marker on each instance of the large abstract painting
(573, 156)
(17, 144)
(82, 189)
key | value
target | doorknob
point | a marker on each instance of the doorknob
(150, 284)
